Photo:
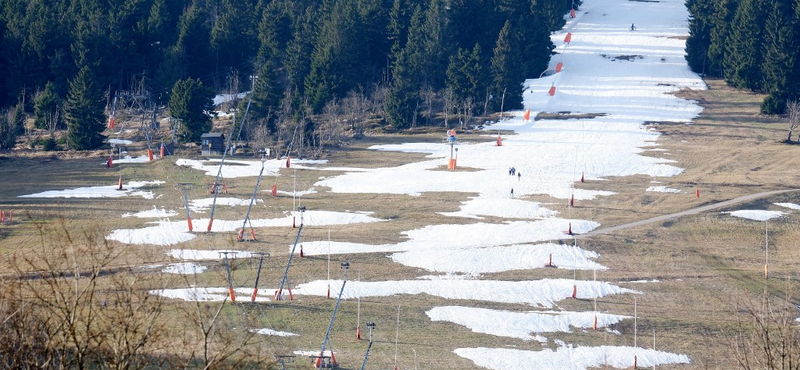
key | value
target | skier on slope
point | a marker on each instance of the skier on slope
(633, 27)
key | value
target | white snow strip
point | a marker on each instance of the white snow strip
(520, 324)
(184, 268)
(662, 189)
(569, 358)
(206, 255)
(120, 142)
(201, 294)
(789, 205)
(479, 248)
(541, 293)
(165, 232)
(201, 205)
(277, 333)
(153, 213)
(128, 159)
(756, 215)
(130, 189)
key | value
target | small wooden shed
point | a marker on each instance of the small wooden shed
(212, 143)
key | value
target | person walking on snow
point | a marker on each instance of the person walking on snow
(633, 27)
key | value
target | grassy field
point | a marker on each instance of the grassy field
(707, 266)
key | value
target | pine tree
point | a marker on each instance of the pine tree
(507, 73)
(416, 61)
(298, 53)
(266, 97)
(7, 136)
(128, 36)
(192, 51)
(403, 96)
(533, 40)
(45, 108)
(720, 19)
(84, 112)
(234, 39)
(436, 43)
(17, 119)
(373, 22)
(189, 102)
(699, 34)
(399, 20)
(275, 30)
(467, 76)
(743, 51)
(779, 47)
(337, 56)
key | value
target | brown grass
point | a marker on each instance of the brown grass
(706, 264)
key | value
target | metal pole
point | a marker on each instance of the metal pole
(371, 325)
(252, 199)
(396, 337)
(221, 162)
(345, 266)
(230, 281)
(286, 272)
(766, 248)
(258, 274)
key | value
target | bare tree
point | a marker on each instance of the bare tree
(85, 302)
(449, 104)
(79, 302)
(355, 108)
(427, 94)
(467, 105)
(378, 100)
(767, 336)
(793, 111)
(331, 124)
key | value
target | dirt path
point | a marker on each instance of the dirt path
(693, 211)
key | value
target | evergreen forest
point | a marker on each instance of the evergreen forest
(406, 62)
(752, 44)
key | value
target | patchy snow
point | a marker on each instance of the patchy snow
(128, 159)
(212, 294)
(540, 293)
(512, 233)
(569, 358)
(506, 208)
(662, 189)
(201, 205)
(120, 142)
(153, 213)
(277, 333)
(224, 98)
(296, 193)
(131, 189)
(204, 255)
(235, 168)
(166, 232)
(521, 325)
(756, 215)
(311, 353)
(789, 205)
(184, 268)
(478, 248)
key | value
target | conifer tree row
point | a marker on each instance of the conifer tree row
(752, 44)
(318, 51)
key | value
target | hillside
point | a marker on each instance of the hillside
(472, 267)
